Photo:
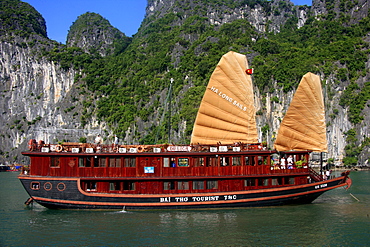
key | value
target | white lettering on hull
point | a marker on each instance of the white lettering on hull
(321, 186)
(165, 199)
(198, 198)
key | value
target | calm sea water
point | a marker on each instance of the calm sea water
(336, 218)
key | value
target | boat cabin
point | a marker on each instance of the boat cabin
(167, 169)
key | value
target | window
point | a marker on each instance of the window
(212, 185)
(130, 162)
(103, 162)
(198, 185)
(211, 161)
(263, 182)
(237, 161)
(169, 185)
(183, 161)
(250, 182)
(128, 185)
(54, 161)
(81, 162)
(198, 161)
(166, 162)
(224, 161)
(249, 161)
(90, 186)
(114, 162)
(35, 185)
(183, 185)
(277, 181)
(260, 160)
(88, 161)
(114, 186)
(100, 161)
(289, 180)
(96, 161)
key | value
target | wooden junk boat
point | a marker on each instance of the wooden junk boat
(225, 166)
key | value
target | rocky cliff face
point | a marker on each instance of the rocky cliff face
(43, 101)
(265, 17)
(94, 34)
(35, 95)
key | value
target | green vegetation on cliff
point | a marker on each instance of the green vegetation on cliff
(96, 35)
(20, 18)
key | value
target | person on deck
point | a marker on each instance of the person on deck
(282, 162)
(290, 162)
(98, 139)
(173, 163)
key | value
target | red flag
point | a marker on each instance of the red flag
(249, 71)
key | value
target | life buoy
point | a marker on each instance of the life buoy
(140, 149)
(59, 148)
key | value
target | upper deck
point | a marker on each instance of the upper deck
(159, 161)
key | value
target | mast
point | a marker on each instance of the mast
(321, 162)
(169, 110)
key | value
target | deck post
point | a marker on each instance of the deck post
(321, 166)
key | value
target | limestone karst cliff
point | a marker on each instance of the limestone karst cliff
(93, 33)
(48, 95)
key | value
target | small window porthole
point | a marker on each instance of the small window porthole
(35, 185)
(48, 186)
(61, 186)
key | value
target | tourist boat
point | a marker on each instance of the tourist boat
(224, 166)
(4, 168)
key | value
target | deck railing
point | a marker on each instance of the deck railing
(314, 175)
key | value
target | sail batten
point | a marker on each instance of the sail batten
(303, 127)
(214, 112)
(217, 121)
(206, 123)
(227, 113)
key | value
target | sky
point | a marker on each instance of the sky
(125, 15)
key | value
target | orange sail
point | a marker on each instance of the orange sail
(303, 126)
(227, 113)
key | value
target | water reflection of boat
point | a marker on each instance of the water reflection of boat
(225, 166)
